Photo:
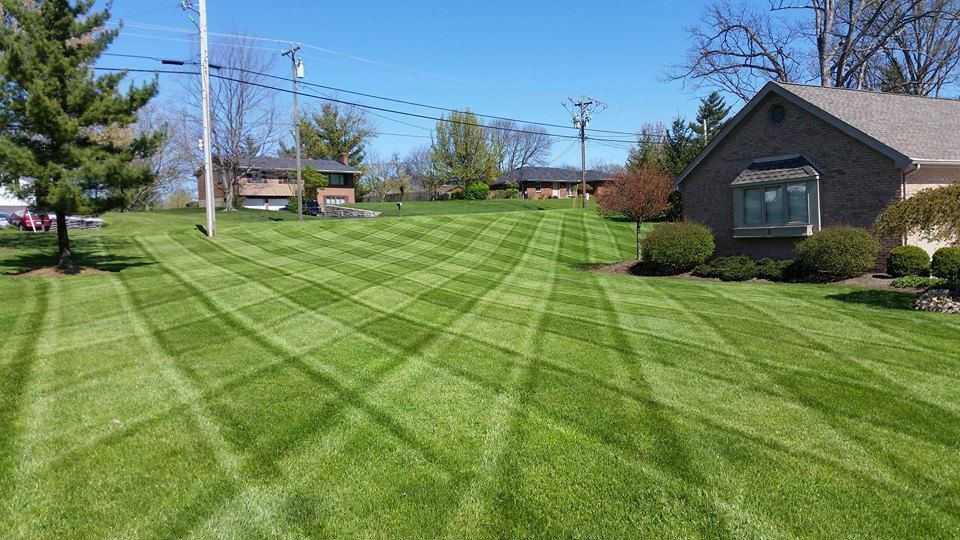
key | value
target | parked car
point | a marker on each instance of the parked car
(310, 208)
(4, 219)
(28, 221)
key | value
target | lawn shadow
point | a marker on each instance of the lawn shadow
(202, 229)
(37, 254)
(877, 298)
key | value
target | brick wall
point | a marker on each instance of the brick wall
(856, 181)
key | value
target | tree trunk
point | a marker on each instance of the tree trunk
(65, 264)
(638, 241)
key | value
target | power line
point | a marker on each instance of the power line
(354, 104)
(406, 102)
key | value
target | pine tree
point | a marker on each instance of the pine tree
(680, 146)
(461, 151)
(333, 130)
(62, 113)
(649, 151)
(712, 116)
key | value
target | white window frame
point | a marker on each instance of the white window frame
(785, 228)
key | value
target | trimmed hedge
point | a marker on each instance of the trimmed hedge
(678, 247)
(946, 263)
(773, 270)
(738, 268)
(908, 261)
(838, 252)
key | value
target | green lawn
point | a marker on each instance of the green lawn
(428, 208)
(458, 376)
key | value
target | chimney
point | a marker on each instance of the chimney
(344, 158)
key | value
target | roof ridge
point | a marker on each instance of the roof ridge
(865, 91)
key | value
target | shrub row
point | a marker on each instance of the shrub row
(833, 253)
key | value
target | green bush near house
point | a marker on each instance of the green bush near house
(476, 191)
(946, 263)
(738, 268)
(773, 270)
(678, 247)
(838, 253)
(511, 193)
(917, 282)
(908, 261)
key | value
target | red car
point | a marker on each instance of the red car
(28, 221)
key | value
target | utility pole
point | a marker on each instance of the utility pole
(296, 72)
(201, 10)
(582, 108)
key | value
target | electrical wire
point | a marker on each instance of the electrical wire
(405, 102)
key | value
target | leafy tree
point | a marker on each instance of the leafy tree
(934, 213)
(639, 194)
(680, 147)
(333, 130)
(314, 182)
(461, 151)
(64, 113)
(712, 116)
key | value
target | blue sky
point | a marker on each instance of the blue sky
(514, 59)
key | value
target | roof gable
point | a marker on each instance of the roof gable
(907, 129)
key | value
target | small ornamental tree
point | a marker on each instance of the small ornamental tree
(314, 182)
(934, 213)
(64, 114)
(639, 194)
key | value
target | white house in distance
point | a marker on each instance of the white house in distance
(10, 203)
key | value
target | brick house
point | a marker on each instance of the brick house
(550, 182)
(798, 158)
(267, 182)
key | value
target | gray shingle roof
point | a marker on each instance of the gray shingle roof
(290, 164)
(550, 174)
(921, 128)
(773, 170)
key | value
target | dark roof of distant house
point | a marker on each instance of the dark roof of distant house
(290, 164)
(908, 129)
(550, 174)
(792, 167)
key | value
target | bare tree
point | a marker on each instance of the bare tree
(834, 42)
(244, 115)
(515, 146)
(420, 168)
(923, 58)
(737, 48)
(173, 162)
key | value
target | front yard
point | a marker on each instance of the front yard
(458, 376)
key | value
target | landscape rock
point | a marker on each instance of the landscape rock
(342, 212)
(939, 300)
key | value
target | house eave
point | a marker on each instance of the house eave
(899, 158)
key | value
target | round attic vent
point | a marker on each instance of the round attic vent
(776, 114)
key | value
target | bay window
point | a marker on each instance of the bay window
(783, 208)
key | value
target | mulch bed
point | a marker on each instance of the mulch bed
(50, 271)
(872, 281)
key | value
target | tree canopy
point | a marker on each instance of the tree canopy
(460, 152)
(65, 118)
(333, 130)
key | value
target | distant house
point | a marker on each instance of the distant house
(799, 158)
(10, 202)
(266, 183)
(550, 182)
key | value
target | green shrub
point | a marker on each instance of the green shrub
(908, 261)
(511, 193)
(838, 252)
(739, 268)
(678, 247)
(917, 282)
(476, 191)
(946, 263)
(773, 270)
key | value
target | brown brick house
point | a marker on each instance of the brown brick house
(799, 158)
(550, 182)
(266, 183)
